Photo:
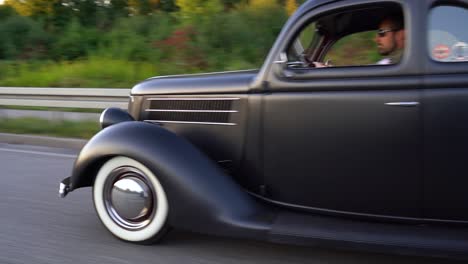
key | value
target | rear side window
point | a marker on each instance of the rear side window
(448, 34)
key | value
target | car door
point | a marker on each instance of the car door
(344, 139)
(445, 113)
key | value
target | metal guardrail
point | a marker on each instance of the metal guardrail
(98, 98)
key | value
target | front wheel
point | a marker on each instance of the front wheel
(130, 201)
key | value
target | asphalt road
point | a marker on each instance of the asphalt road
(38, 227)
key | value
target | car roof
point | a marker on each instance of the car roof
(313, 3)
(361, 19)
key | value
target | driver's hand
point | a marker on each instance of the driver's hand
(319, 64)
(322, 65)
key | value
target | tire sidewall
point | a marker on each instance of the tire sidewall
(157, 225)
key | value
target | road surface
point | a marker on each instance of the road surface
(38, 227)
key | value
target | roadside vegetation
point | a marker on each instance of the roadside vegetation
(37, 126)
(97, 43)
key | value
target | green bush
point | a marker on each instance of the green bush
(133, 38)
(241, 37)
(6, 12)
(75, 42)
(22, 38)
(110, 48)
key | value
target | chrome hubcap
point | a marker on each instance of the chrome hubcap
(129, 198)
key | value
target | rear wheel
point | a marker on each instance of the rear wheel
(130, 201)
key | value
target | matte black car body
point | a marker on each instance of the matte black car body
(308, 157)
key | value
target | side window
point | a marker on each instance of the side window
(448, 36)
(362, 36)
(355, 50)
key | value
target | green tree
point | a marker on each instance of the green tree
(193, 11)
(73, 42)
(60, 16)
(6, 12)
(143, 7)
(167, 5)
(20, 7)
(229, 4)
(118, 8)
(22, 38)
(87, 12)
(291, 6)
(34, 8)
(262, 4)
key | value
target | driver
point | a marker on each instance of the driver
(390, 40)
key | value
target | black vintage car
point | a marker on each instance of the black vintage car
(358, 155)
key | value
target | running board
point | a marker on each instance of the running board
(423, 240)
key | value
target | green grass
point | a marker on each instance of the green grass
(60, 109)
(92, 72)
(37, 126)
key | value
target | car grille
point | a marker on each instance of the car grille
(210, 111)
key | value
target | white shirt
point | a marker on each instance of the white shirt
(384, 61)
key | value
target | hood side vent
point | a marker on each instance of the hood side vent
(191, 105)
(208, 111)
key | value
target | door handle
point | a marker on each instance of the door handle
(403, 104)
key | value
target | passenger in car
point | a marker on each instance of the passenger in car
(390, 39)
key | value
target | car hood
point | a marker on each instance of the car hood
(208, 83)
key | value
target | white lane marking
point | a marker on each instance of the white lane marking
(38, 153)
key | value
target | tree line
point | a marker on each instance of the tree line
(175, 36)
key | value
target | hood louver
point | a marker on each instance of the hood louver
(208, 111)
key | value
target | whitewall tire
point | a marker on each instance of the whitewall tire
(130, 201)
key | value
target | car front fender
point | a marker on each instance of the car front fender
(201, 196)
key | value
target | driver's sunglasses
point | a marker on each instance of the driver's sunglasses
(382, 32)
